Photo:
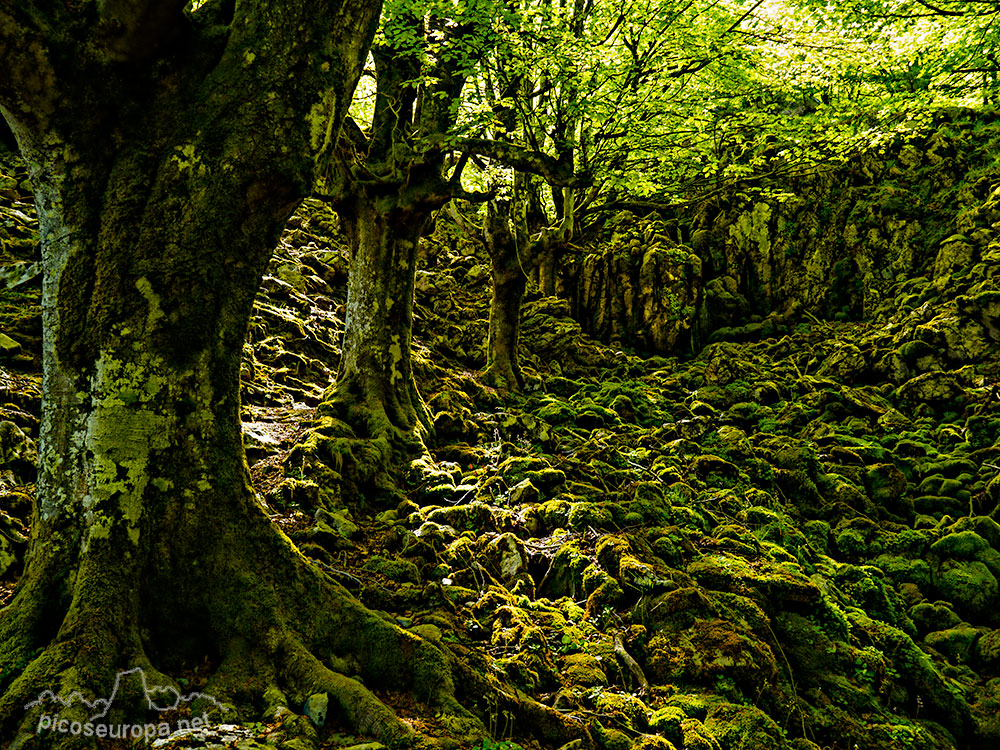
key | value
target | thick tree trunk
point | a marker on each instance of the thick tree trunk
(373, 423)
(160, 200)
(509, 281)
(376, 374)
(545, 264)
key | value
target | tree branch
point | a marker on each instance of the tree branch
(522, 159)
(940, 11)
(476, 196)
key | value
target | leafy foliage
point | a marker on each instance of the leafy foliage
(659, 100)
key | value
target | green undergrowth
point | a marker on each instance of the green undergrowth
(788, 541)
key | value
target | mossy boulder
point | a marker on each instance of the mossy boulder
(697, 736)
(962, 545)
(505, 557)
(781, 583)
(744, 728)
(567, 572)
(938, 390)
(475, 516)
(598, 515)
(523, 493)
(667, 721)
(886, 485)
(905, 570)
(968, 545)
(970, 586)
(623, 707)
(9, 557)
(584, 670)
(956, 643)
(987, 652)
(652, 742)
(710, 650)
(393, 569)
(866, 588)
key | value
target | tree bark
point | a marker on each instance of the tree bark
(375, 381)
(503, 369)
(161, 188)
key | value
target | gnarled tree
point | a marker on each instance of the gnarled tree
(385, 185)
(168, 142)
(386, 182)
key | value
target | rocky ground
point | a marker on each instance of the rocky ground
(789, 541)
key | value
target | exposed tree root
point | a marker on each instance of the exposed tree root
(282, 628)
(365, 443)
(359, 707)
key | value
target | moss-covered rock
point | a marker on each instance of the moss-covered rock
(743, 728)
(584, 670)
(969, 585)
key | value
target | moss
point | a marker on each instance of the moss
(709, 650)
(807, 645)
(743, 728)
(476, 516)
(651, 742)
(554, 513)
(969, 585)
(610, 739)
(667, 721)
(902, 570)
(566, 574)
(592, 514)
(987, 651)
(866, 589)
(697, 736)
(956, 643)
(610, 550)
(393, 569)
(584, 670)
(622, 708)
(778, 582)
(604, 598)
(818, 533)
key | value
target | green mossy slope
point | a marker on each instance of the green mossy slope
(786, 540)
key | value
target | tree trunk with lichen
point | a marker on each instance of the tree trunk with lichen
(375, 365)
(385, 192)
(374, 400)
(165, 163)
(509, 281)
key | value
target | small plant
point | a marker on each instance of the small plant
(569, 645)
(489, 744)
(863, 672)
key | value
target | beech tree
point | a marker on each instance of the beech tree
(168, 142)
(386, 182)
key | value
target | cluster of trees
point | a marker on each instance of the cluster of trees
(169, 141)
(554, 112)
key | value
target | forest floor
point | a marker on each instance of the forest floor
(782, 543)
